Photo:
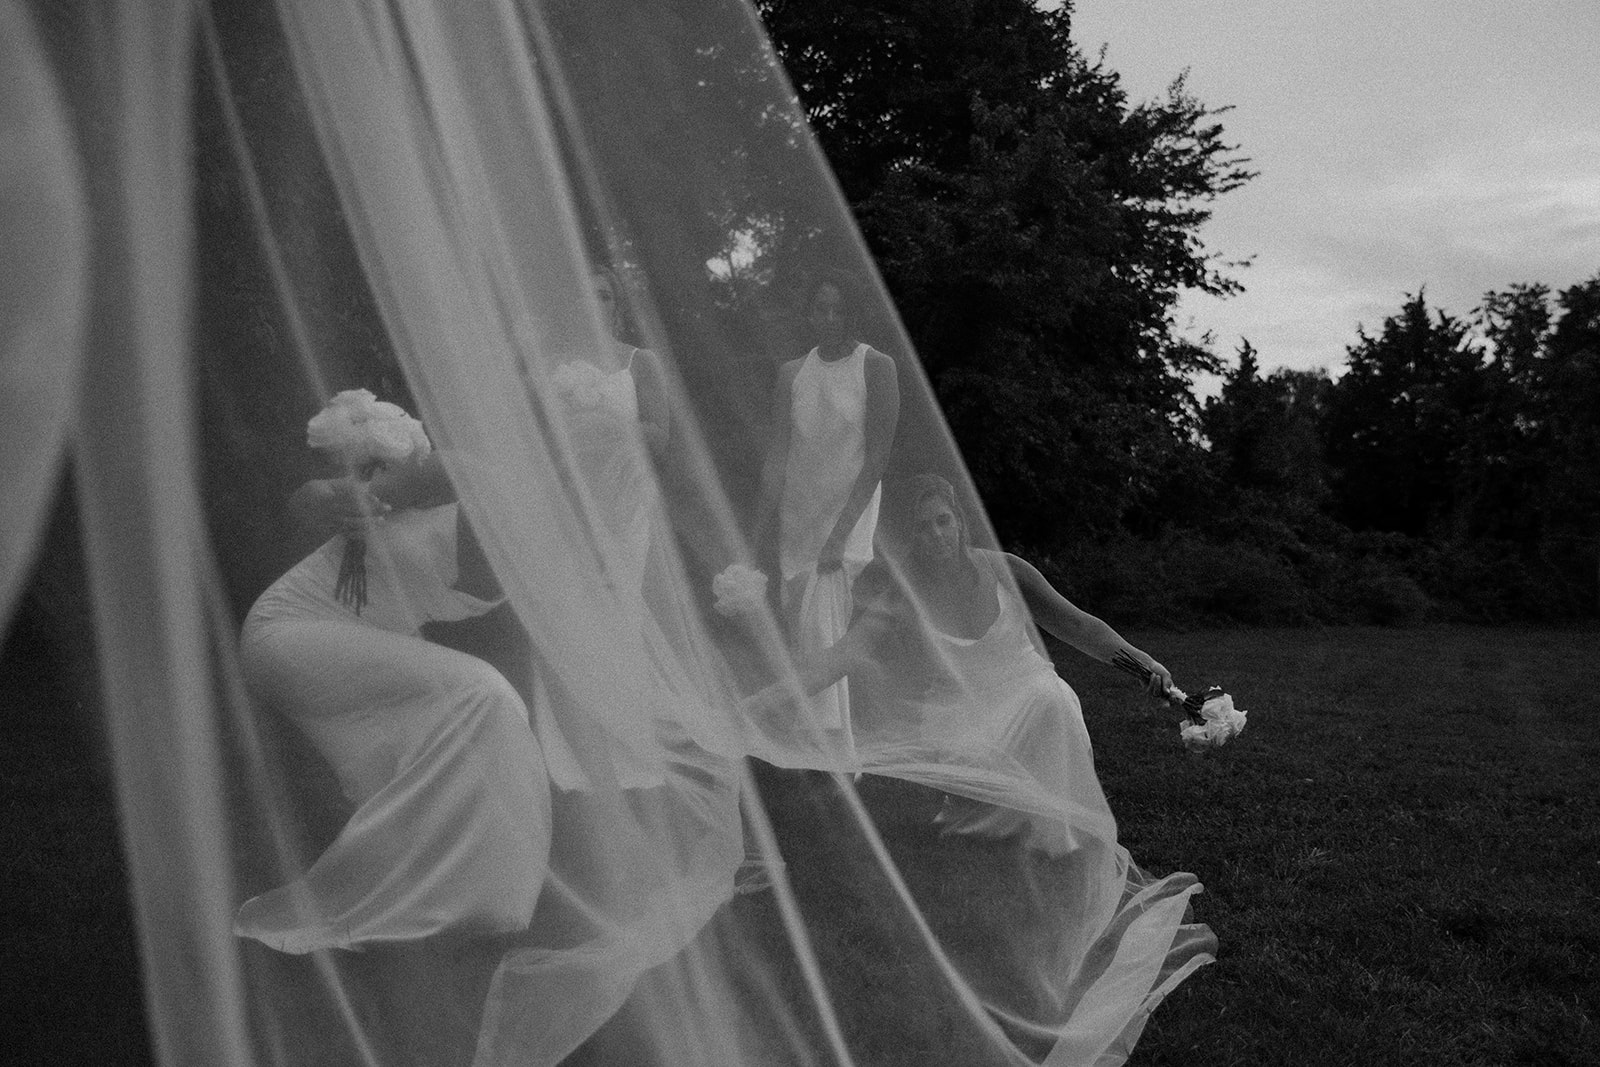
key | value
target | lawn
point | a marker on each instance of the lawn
(1401, 855)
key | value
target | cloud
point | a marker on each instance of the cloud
(1499, 203)
(1296, 311)
(1343, 250)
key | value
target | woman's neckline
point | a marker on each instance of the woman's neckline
(984, 573)
(857, 347)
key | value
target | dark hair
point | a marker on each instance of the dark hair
(848, 286)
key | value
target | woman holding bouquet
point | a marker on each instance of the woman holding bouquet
(834, 416)
(948, 673)
(451, 829)
(953, 692)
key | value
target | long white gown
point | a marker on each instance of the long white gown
(988, 721)
(451, 830)
(827, 451)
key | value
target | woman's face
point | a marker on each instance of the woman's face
(936, 533)
(827, 314)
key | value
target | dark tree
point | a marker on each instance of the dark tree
(1407, 425)
(1266, 436)
(1567, 389)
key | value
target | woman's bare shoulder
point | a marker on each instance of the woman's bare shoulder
(879, 362)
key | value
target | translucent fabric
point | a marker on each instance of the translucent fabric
(542, 795)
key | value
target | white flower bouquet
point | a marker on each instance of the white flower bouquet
(579, 383)
(362, 431)
(364, 434)
(739, 590)
(1209, 718)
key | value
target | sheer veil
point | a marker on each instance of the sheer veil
(589, 812)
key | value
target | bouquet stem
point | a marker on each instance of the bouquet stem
(351, 589)
(1191, 704)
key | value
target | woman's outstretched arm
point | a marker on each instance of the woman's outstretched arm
(1064, 620)
(860, 648)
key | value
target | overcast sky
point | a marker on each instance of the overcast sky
(1447, 143)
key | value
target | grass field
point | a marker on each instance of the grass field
(1401, 855)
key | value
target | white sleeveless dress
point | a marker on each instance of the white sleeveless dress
(600, 413)
(451, 830)
(827, 451)
(988, 721)
(1008, 730)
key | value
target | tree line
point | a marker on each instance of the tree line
(1035, 228)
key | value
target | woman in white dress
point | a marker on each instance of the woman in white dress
(618, 421)
(950, 676)
(451, 828)
(953, 692)
(834, 416)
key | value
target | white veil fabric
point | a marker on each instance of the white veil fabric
(578, 814)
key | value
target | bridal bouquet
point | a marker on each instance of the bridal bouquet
(580, 384)
(363, 433)
(739, 590)
(1209, 717)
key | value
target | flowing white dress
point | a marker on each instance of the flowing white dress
(827, 451)
(988, 721)
(451, 830)
(600, 414)
(1007, 731)
(673, 839)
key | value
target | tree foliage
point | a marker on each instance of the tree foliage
(1265, 435)
(1456, 452)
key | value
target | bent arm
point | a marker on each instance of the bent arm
(420, 483)
(655, 408)
(1065, 621)
(348, 505)
(857, 649)
(777, 458)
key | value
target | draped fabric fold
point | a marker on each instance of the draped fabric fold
(43, 291)
(462, 757)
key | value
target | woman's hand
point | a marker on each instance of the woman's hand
(344, 505)
(1160, 683)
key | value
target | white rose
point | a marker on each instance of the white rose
(1194, 736)
(1223, 720)
(358, 428)
(739, 590)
